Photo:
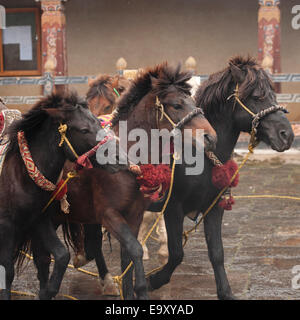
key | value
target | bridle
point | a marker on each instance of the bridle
(83, 160)
(256, 117)
(160, 108)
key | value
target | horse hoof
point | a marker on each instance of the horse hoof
(80, 261)
(109, 286)
(149, 287)
(228, 297)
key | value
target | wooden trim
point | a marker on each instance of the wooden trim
(16, 73)
(38, 71)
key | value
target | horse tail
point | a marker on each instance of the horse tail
(23, 251)
(72, 234)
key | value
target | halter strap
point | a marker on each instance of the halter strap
(179, 124)
(256, 117)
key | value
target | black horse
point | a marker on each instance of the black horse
(228, 118)
(21, 198)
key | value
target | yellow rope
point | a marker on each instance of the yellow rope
(268, 196)
(71, 266)
(118, 279)
(63, 131)
(28, 294)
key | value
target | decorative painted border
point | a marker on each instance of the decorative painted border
(65, 80)
(281, 98)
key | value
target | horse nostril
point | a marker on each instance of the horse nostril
(283, 134)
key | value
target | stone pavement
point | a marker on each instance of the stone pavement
(261, 241)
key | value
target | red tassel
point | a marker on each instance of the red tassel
(221, 175)
(1, 122)
(232, 168)
(62, 192)
(227, 203)
(83, 162)
(154, 180)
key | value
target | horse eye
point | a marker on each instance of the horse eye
(84, 131)
(177, 106)
(106, 108)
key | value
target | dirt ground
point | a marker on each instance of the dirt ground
(261, 241)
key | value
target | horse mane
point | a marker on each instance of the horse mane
(159, 79)
(101, 86)
(213, 93)
(34, 118)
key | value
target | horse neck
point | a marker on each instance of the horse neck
(226, 132)
(140, 118)
(46, 154)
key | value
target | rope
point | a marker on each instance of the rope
(63, 130)
(268, 196)
(119, 279)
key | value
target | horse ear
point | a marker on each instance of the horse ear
(237, 73)
(115, 82)
(56, 114)
(91, 82)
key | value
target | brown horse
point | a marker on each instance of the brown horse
(104, 92)
(114, 201)
(33, 163)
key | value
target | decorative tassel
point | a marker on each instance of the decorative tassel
(154, 180)
(227, 202)
(222, 174)
(64, 205)
(62, 192)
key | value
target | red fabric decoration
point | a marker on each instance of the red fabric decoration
(226, 203)
(154, 180)
(1, 122)
(221, 175)
(62, 192)
(83, 161)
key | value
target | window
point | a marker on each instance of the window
(20, 50)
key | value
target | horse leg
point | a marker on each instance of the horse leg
(213, 236)
(174, 224)
(46, 233)
(145, 226)
(93, 244)
(42, 260)
(7, 247)
(131, 250)
(163, 240)
(77, 237)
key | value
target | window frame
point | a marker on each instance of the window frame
(38, 71)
